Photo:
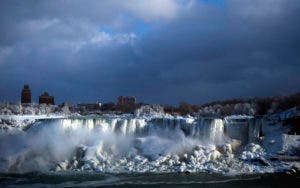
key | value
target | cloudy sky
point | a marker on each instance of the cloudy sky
(161, 51)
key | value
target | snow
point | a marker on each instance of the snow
(10, 122)
(291, 144)
(252, 151)
(218, 109)
(148, 143)
(150, 110)
(234, 117)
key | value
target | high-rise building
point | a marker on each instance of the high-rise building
(46, 99)
(26, 94)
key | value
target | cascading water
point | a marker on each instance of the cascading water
(123, 144)
(211, 130)
(216, 131)
(105, 125)
(255, 130)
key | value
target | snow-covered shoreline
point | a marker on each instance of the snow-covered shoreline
(20, 122)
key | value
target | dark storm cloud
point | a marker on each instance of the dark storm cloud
(188, 51)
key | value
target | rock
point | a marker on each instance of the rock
(57, 168)
(296, 168)
(63, 165)
(80, 152)
(185, 155)
(182, 167)
(235, 144)
(214, 155)
(198, 147)
(293, 171)
(184, 158)
(187, 172)
(224, 149)
(290, 171)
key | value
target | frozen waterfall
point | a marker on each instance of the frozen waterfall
(127, 144)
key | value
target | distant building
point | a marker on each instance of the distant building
(126, 101)
(126, 104)
(46, 99)
(26, 94)
(89, 106)
(110, 106)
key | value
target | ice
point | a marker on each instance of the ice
(291, 144)
(252, 151)
(126, 143)
(10, 122)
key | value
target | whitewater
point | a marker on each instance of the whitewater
(129, 144)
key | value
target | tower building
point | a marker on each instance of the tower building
(26, 94)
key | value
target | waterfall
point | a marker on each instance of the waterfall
(205, 129)
(247, 130)
(217, 131)
(208, 130)
(129, 126)
(254, 132)
(121, 143)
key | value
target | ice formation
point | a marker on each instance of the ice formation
(119, 144)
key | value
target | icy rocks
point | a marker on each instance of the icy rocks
(15, 123)
(182, 168)
(226, 150)
(213, 155)
(80, 151)
(254, 153)
(208, 158)
(62, 166)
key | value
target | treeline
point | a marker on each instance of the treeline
(249, 106)
(112, 107)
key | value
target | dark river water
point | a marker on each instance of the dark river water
(147, 180)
